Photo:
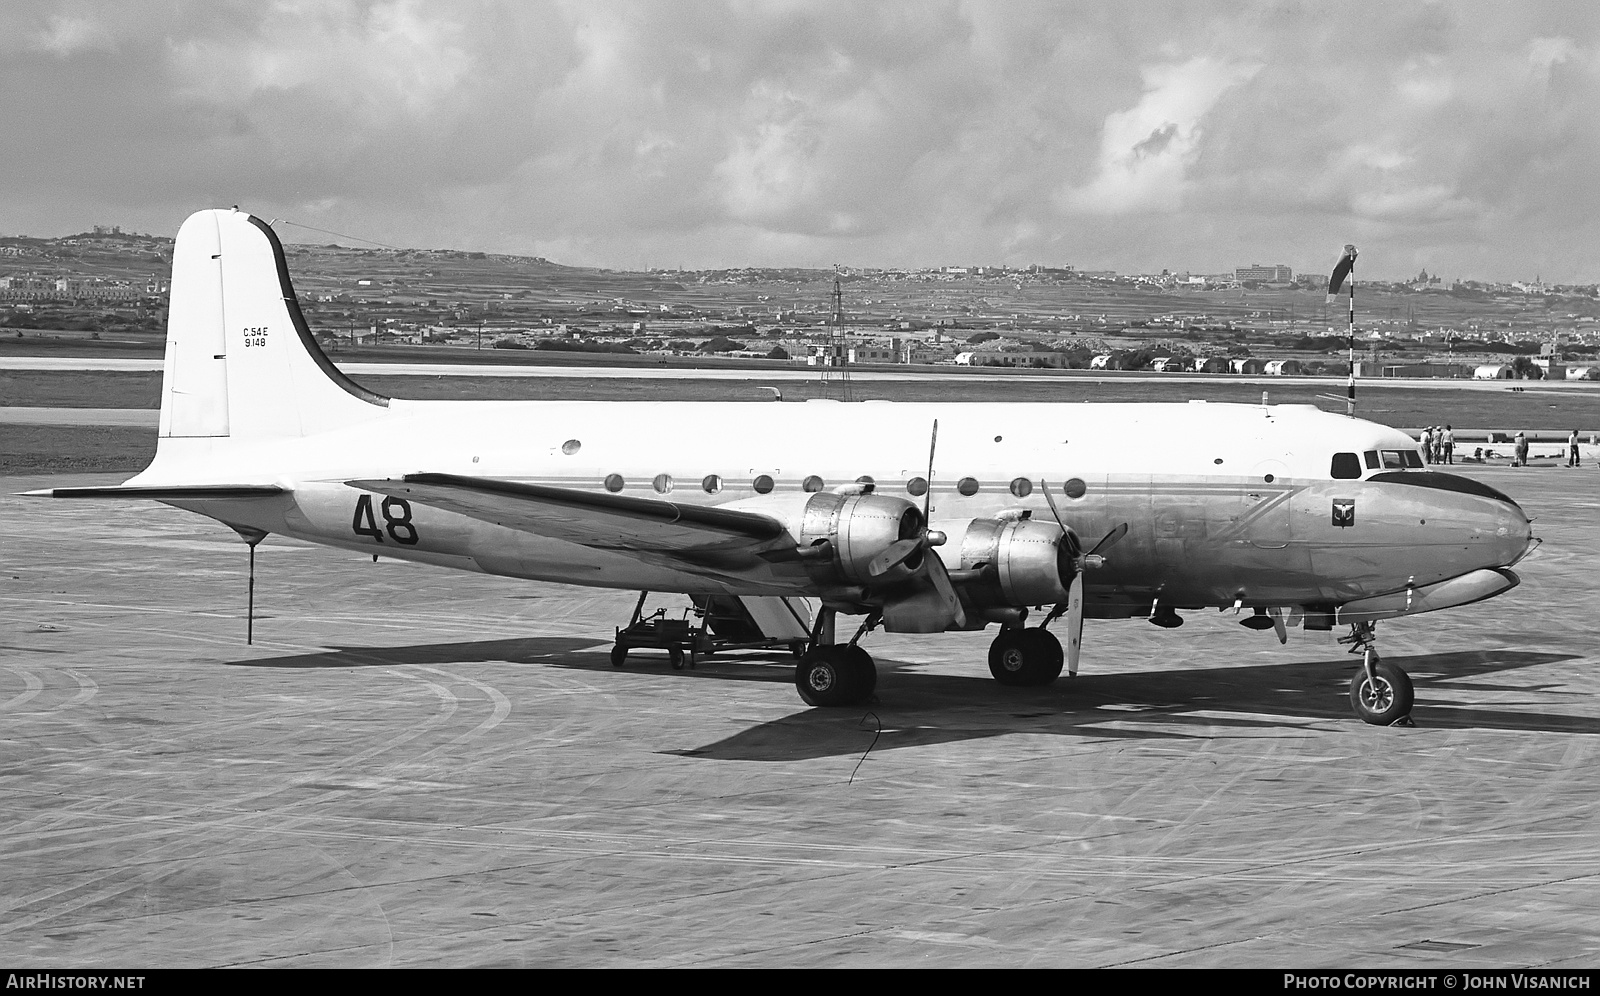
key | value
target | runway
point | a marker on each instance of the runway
(800, 372)
(414, 767)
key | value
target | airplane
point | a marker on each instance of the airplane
(916, 517)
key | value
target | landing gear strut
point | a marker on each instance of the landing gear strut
(1380, 693)
(1025, 657)
(835, 674)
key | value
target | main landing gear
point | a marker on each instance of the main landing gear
(1025, 657)
(1380, 693)
(835, 674)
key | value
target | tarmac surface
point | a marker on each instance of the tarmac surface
(417, 767)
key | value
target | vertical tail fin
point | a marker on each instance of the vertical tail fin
(241, 362)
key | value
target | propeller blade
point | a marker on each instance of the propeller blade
(1052, 502)
(927, 496)
(1074, 624)
(941, 583)
(893, 556)
(1277, 624)
(1110, 539)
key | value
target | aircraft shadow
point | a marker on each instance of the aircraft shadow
(913, 709)
(530, 650)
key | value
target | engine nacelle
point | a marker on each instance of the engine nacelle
(847, 531)
(1017, 561)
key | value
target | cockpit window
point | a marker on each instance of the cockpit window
(1400, 459)
(1372, 459)
(1346, 467)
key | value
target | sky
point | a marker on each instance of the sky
(1462, 138)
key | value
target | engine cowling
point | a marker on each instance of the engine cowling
(1014, 562)
(847, 531)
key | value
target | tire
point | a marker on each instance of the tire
(619, 655)
(863, 672)
(675, 656)
(1387, 701)
(1022, 658)
(835, 676)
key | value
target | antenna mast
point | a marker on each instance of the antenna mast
(836, 362)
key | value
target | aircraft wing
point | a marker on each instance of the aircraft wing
(601, 521)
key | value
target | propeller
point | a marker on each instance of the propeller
(902, 551)
(1073, 606)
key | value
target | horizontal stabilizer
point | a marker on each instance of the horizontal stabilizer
(189, 492)
(604, 521)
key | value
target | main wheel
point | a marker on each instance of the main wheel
(619, 654)
(835, 676)
(1025, 657)
(1383, 702)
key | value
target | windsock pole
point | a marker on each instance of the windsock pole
(1350, 389)
(1344, 269)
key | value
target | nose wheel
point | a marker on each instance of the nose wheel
(1380, 693)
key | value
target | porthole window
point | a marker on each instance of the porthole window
(1074, 488)
(662, 483)
(812, 483)
(762, 484)
(711, 485)
(1217, 461)
(1022, 487)
(917, 487)
(866, 480)
(615, 483)
(571, 446)
(998, 438)
(967, 486)
(1269, 478)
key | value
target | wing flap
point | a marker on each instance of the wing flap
(599, 520)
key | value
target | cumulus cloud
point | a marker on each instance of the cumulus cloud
(1146, 151)
(1179, 135)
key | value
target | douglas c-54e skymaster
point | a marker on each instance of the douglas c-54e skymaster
(918, 518)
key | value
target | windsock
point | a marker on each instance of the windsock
(1341, 270)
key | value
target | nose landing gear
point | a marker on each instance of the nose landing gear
(1380, 693)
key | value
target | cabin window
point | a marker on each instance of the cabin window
(1346, 467)
(865, 480)
(711, 485)
(967, 486)
(662, 483)
(615, 483)
(812, 483)
(1372, 459)
(571, 446)
(1022, 487)
(917, 487)
(762, 484)
(1074, 488)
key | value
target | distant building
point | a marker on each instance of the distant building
(1278, 274)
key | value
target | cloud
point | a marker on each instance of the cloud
(1146, 151)
(1186, 135)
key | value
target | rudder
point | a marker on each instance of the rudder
(241, 362)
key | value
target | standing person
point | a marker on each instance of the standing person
(1572, 449)
(1522, 450)
(1438, 444)
(1427, 444)
(1449, 445)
